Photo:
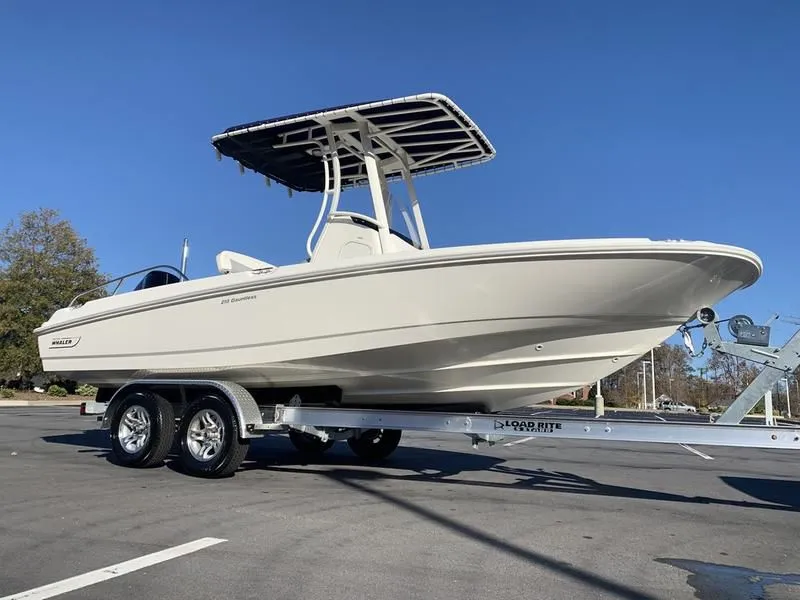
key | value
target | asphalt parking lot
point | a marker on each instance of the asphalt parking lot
(544, 519)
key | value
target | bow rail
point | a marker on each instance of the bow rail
(119, 280)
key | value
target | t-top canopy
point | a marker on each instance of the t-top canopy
(428, 132)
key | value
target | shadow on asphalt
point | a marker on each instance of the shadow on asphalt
(620, 590)
(435, 465)
(90, 440)
(277, 453)
(430, 465)
(777, 491)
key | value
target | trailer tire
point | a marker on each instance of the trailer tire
(375, 444)
(210, 439)
(142, 430)
(308, 444)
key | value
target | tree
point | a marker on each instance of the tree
(43, 265)
(720, 380)
(726, 377)
(673, 371)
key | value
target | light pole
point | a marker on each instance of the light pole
(644, 382)
(703, 371)
(638, 388)
(653, 376)
(785, 381)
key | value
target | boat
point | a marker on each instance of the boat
(376, 315)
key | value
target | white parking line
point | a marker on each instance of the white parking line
(523, 440)
(123, 568)
(688, 447)
(684, 446)
(527, 439)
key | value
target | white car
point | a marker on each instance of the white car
(676, 406)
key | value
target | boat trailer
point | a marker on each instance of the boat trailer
(213, 421)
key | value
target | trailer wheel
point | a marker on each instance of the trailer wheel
(142, 430)
(375, 444)
(209, 436)
(307, 443)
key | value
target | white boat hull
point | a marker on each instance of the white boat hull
(490, 327)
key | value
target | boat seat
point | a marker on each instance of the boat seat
(233, 262)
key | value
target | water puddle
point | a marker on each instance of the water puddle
(725, 582)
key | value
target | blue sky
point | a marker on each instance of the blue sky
(634, 119)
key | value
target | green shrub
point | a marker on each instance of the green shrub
(573, 402)
(86, 390)
(6, 393)
(56, 390)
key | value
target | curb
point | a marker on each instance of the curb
(21, 403)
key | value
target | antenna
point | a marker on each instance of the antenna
(184, 255)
